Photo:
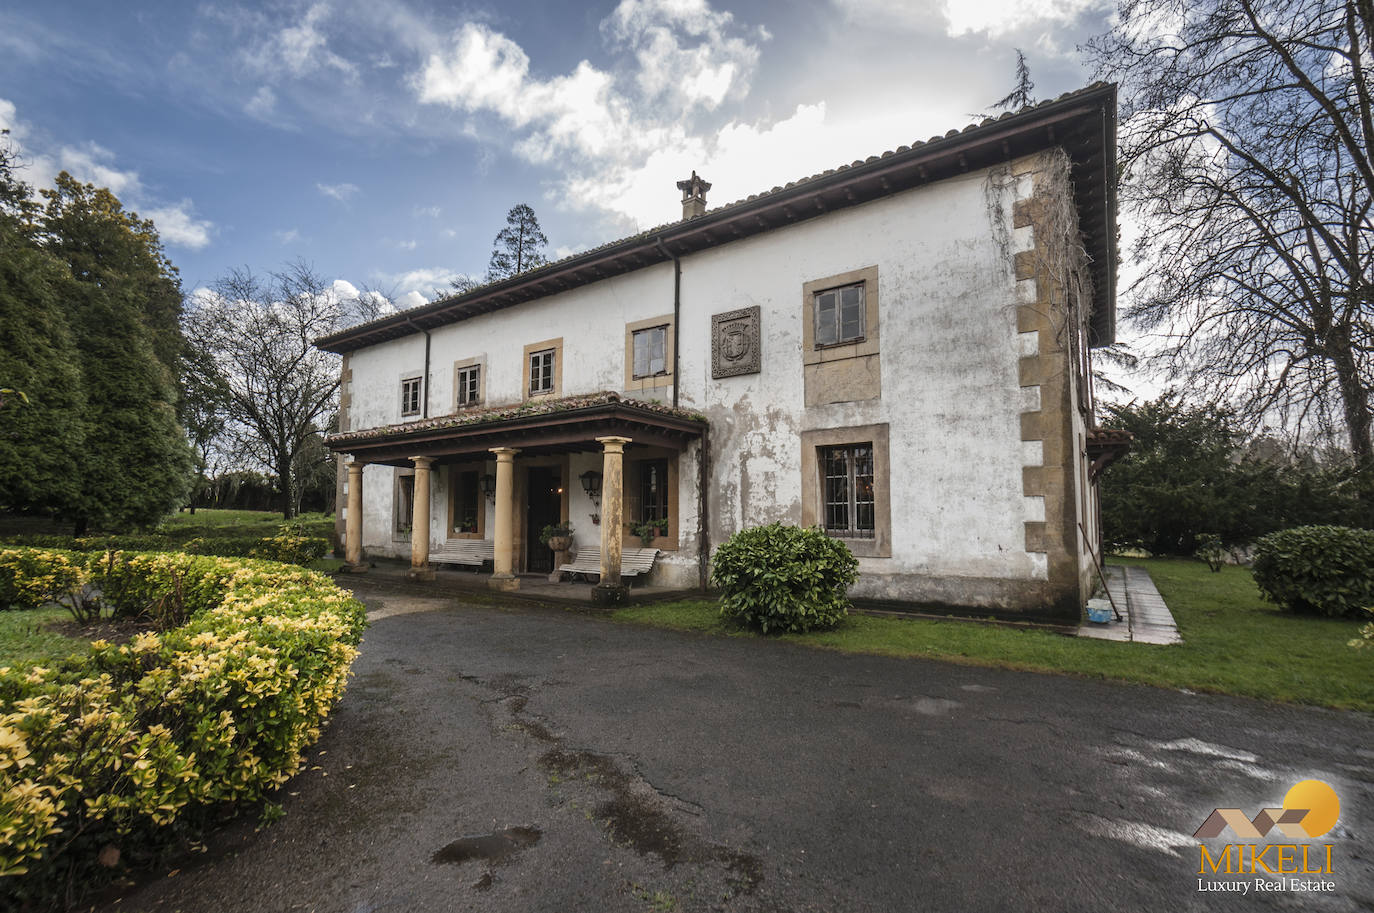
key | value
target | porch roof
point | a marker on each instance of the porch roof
(568, 424)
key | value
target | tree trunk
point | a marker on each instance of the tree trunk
(288, 489)
(1356, 407)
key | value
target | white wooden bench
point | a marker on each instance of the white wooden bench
(471, 552)
(633, 561)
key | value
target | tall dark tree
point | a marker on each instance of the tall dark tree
(1022, 96)
(41, 424)
(122, 308)
(519, 246)
(1245, 142)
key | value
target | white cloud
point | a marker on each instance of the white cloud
(965, 17)
(431, 211)
(1000, 17)
(287, 236)
(93, 164)
(344, 289)
(685, 61)
(300, 49)
(703, 69)
(406, 245)
(340, 192)
(420, 285)
(263, 104)
(176, 225)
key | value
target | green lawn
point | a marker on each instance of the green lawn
(1233, 642)
(25, 642)
(205, 521)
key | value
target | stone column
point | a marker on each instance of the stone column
(502, 577)
(419, 522)
(609, 590)
(353, 520)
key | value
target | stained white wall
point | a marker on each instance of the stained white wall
(950, 392)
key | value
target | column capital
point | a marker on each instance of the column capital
(613, 444)
(422, 462)
(504, 454)
(355, 465)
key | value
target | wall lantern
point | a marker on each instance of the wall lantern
(591, 484)
(489, 486)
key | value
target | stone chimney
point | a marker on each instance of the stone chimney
(693, 196)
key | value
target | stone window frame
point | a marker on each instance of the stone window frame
(651, 381)
(865, 277)
(406, 381)
(532, 349)
(480, 363)
(813, 485)
(397, 484)
(454, 471)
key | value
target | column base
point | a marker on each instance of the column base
(504, 582)
(421, 573)
(360, 568)
(610, 593)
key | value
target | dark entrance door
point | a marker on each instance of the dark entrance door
(543, 507)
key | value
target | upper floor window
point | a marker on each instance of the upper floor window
(541, 371)
(840, 315)
(470, 385)
(543, 368)
(410, 396)
(848, 491)
(650, 352)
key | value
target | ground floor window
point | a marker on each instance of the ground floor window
(653, 491)
(849, 491)
(405, 504)
(651, 502)
(466, 517)
(845, 486)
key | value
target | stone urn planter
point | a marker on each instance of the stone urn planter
(560, 543)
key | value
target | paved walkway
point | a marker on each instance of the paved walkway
(502, 757)
(1147, 619)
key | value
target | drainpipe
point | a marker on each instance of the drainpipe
(703, 526)
(424, 400)
(677, 314)
(703, 521)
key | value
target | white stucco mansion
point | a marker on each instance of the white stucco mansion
(896, 351)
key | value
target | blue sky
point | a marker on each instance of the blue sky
(383, 141)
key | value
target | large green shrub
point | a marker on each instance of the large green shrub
(138, 745)
(783, 578)
(1322, 570)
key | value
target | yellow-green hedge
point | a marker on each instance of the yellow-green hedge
(127, 744)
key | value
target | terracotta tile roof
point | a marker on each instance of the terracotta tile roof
(496, 414)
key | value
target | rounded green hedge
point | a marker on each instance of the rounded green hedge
(135, 745)
(783, 578)
(1319, 570)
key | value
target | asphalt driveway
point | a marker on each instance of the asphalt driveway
(602, 767)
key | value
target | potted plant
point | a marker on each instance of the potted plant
(649, 530)
(557, 536)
